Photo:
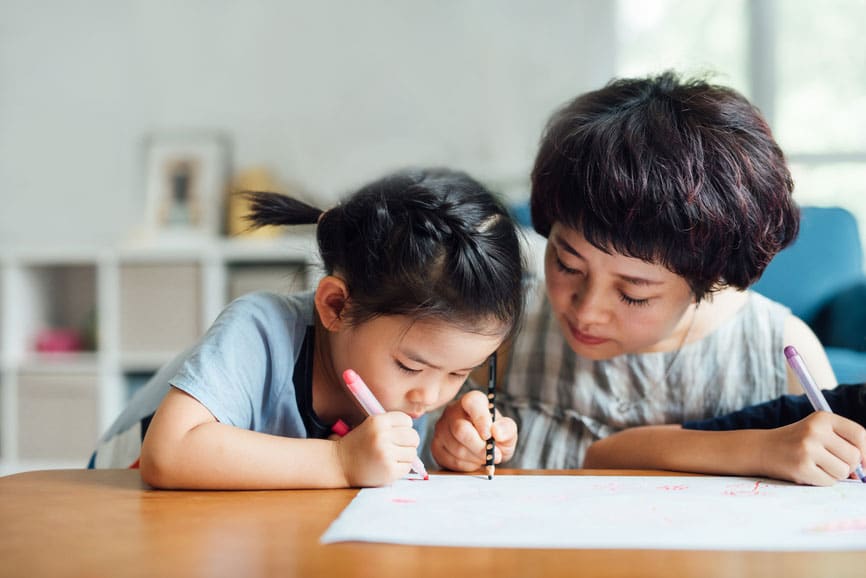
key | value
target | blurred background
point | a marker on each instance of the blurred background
(125, 123)
(326, 95)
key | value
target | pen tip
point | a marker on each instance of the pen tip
(426, 476)
(489, 476)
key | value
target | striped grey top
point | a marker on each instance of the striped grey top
(562, 403)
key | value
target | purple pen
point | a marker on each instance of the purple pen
(813, 392)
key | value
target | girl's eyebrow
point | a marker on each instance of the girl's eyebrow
(627, 278)
(417, 358)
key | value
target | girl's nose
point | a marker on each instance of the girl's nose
(426, 395)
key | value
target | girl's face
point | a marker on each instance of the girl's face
(610, 304)
(411, 367)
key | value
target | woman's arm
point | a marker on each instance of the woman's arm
(186, 447)
(816, 450)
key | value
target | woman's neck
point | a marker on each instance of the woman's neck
(716, 310)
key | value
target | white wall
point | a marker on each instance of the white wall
(327, 94)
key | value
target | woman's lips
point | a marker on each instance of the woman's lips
(585, 338)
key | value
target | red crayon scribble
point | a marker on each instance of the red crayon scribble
(857, 525)
(744, 490)
(673, 488)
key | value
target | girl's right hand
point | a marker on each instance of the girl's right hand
(818, 450)
(378, 451)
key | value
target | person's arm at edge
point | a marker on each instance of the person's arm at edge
(670, 447)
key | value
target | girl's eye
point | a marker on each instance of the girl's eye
(405, 369)
(633, 302)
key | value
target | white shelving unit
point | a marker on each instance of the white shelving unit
(139, 305)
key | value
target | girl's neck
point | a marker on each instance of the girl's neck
(331, 400)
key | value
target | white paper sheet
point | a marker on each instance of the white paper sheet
(706, 513)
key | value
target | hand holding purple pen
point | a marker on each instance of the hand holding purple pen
(372, 406)
(813, 392)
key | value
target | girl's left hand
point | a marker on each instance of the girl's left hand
(461, 434)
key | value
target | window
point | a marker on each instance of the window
(802, 62)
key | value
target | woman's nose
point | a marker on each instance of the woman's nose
(590, 304)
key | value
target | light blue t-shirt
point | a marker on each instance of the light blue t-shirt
(252, 369)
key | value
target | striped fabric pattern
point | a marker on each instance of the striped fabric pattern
(562, 403)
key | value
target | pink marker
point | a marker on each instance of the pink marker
(372, 406)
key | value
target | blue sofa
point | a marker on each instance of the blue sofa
(821, 278)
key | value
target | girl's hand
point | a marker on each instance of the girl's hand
(817, 450)
(378, 451)
(461, 434)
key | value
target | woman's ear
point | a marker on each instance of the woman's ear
(332, 298)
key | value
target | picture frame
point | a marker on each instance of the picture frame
(185, 176)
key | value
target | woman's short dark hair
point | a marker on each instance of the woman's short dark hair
(681, 173)
(428, 243)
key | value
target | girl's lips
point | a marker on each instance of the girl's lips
(585, 338)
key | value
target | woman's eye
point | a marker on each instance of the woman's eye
(564, 268)
(406, 369)
(634, 302)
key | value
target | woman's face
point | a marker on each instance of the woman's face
(610, 304)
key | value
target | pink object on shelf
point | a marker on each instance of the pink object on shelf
(58, 340)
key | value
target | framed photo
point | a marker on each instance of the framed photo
(186, 175)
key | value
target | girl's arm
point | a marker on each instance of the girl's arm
(186, 447)
(817, 450)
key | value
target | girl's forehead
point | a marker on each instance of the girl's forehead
(437, 337)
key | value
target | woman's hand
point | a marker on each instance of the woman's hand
(818, 450)
(461, 434)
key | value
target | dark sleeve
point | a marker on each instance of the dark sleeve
(846, 400)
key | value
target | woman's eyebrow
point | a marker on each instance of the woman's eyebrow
(627, 278)
(567, 248)
(639, 280)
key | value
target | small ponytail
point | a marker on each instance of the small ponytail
(276, 209)
(423, 243)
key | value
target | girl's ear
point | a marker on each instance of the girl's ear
(332, 298)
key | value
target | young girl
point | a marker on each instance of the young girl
(662, 201)
(423, 283)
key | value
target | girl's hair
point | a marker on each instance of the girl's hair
(422, 243)
(681, 173)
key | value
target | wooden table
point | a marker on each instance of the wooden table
(108, 523)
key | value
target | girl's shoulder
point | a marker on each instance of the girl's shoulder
(268, 306)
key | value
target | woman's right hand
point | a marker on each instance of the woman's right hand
(818, 450)
(379, 451)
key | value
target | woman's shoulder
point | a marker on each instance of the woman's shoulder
(737, 311)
